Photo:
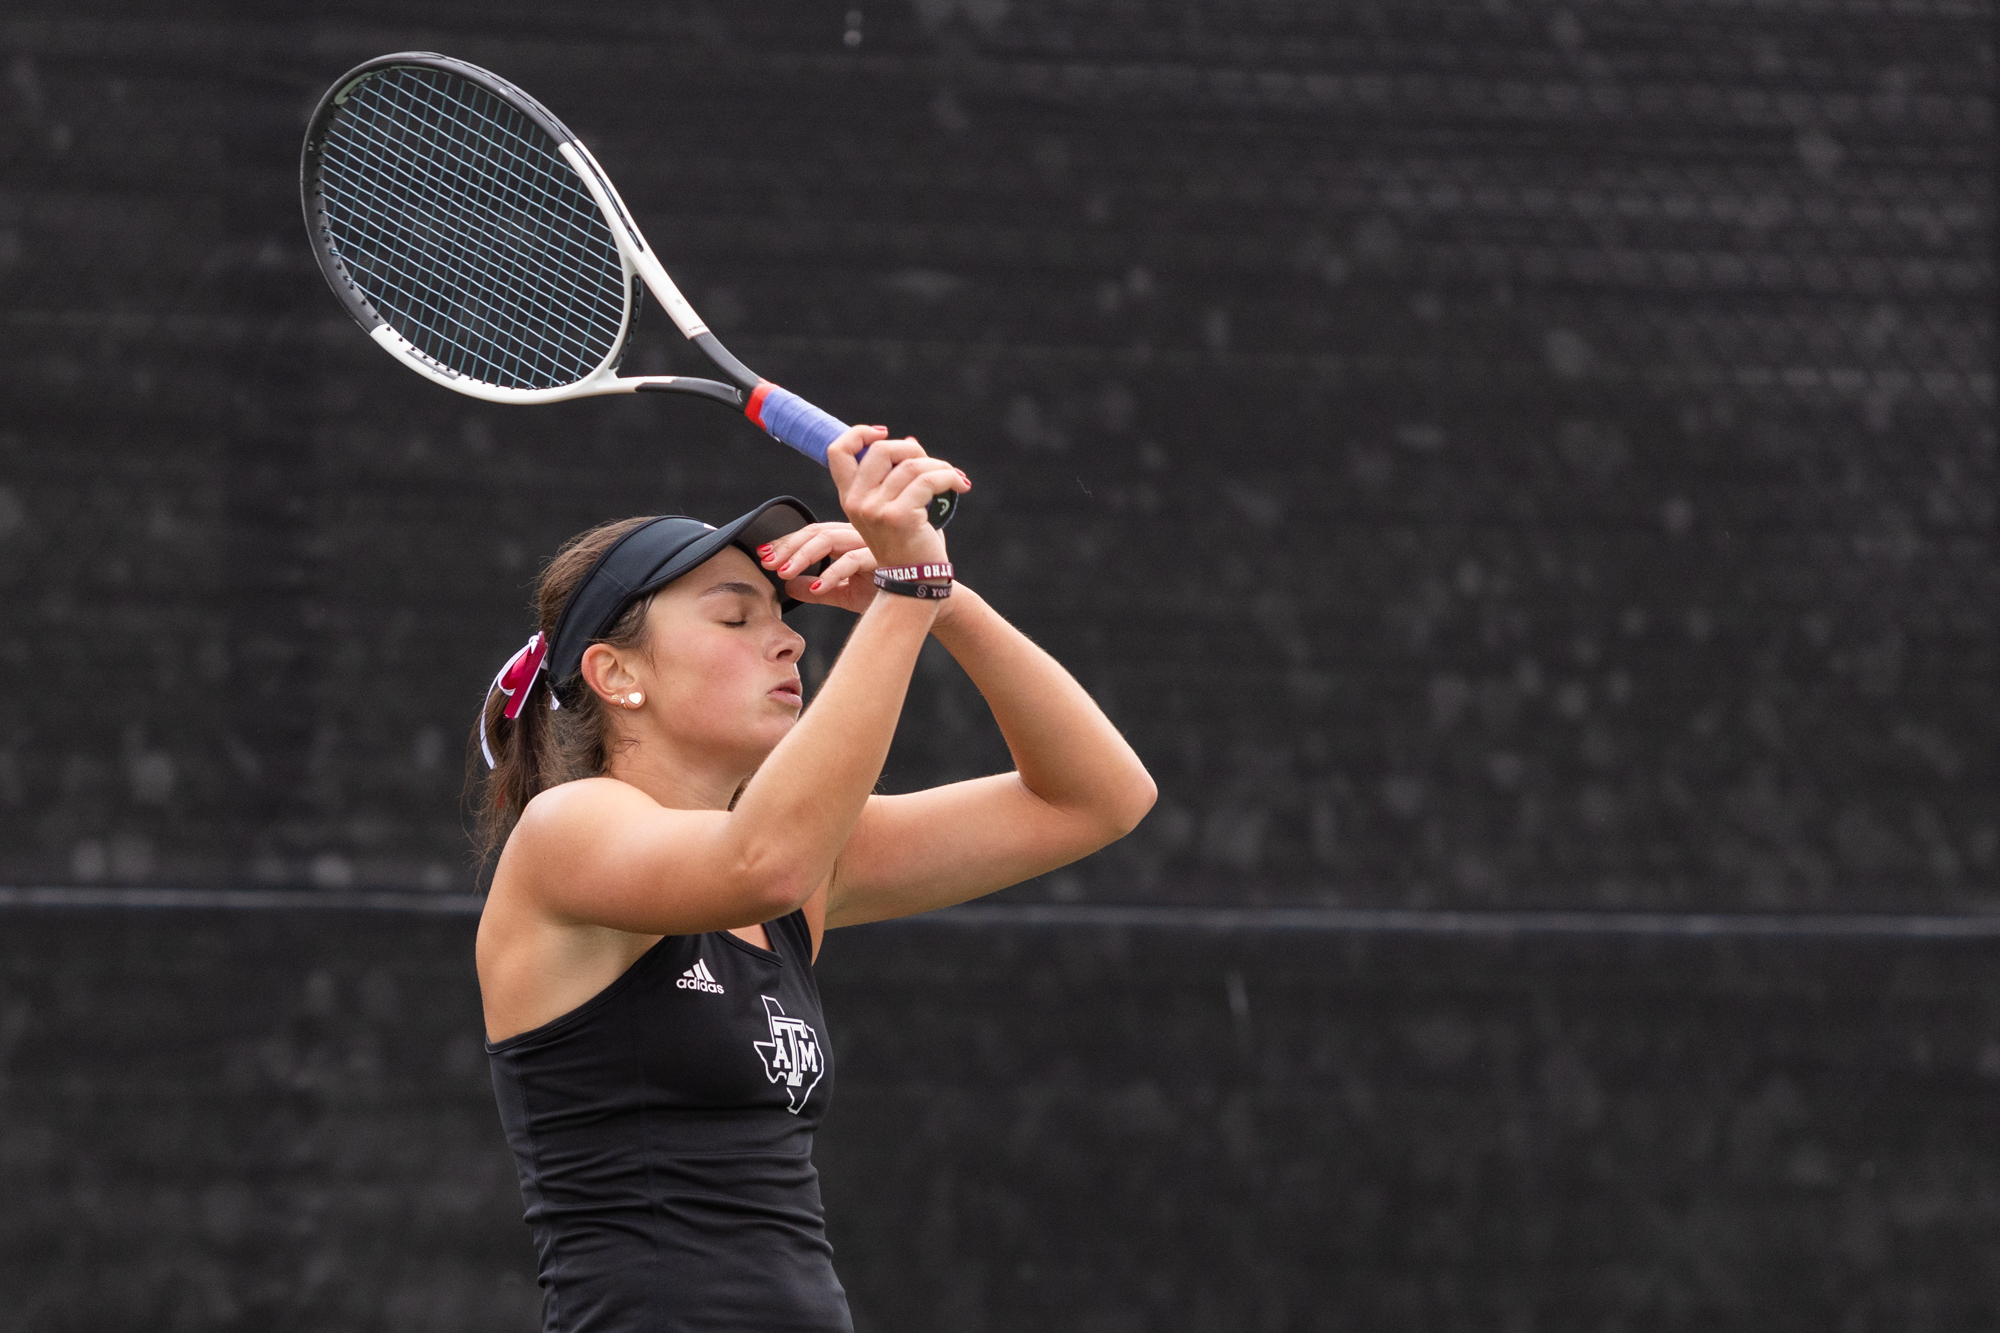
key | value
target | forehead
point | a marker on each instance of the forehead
(712, 577)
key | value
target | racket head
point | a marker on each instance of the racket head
(452, 227)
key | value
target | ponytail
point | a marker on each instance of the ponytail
(530, 737)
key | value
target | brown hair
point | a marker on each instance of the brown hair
(547, 747)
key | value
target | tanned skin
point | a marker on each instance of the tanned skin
(599, 870)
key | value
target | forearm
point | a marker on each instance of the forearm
(797, 812)
(1065, 749)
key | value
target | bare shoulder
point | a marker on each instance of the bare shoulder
(565, 828)
(536, 960)
(573, 810)
(553, 826)
(602, 852)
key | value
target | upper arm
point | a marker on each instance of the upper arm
(599, 852)
(933, 848)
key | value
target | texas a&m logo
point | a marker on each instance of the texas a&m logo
(791, 1056)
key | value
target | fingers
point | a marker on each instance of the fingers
(886, 493)
(878, 457)
(797, 551)
(861, 561)
(916, 481)
(840, 455)
(884, 485)
(844, 583)
(881, 460)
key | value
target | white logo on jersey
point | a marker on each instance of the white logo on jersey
(699, 977)
(791, 1055)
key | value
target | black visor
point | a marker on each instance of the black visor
(650, 557)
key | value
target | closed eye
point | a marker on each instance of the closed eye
(747, 596)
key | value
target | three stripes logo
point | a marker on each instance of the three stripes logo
(699, 977)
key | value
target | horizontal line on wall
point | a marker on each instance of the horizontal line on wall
(1429, 921)
(246, 900)
(1246, 920)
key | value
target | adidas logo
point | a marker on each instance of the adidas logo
(699, 977)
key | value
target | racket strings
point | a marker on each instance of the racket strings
(582, 215)
(468, 234)
(474, 157)
(440, 183)
(421, 287)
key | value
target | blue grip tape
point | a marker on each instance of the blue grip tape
(792, 420)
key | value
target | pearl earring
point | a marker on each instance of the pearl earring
(634, 699)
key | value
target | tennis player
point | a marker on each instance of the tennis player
(678, 835)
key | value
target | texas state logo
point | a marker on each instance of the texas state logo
(791, 1056)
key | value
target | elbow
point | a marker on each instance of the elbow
(781, 895)
(1130, 804)
(1144, 793)
(772, 887)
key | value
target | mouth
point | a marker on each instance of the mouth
(788, 693)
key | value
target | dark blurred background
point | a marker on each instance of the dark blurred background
(1491, 458)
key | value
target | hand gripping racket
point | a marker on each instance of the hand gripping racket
(474, 238)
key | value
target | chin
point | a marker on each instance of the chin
(762, 736)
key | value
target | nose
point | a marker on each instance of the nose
(790, 644)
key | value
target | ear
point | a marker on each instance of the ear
(606, 672)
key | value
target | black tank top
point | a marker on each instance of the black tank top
(663, 1132)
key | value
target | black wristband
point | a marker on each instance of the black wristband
(923, 592)
(938, 571)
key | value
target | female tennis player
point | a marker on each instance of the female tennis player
(679, 834)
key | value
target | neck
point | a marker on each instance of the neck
(677, 780)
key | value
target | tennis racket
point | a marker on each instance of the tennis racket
(480, 244)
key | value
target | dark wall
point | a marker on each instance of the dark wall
(1484, 454)
(282, 1121)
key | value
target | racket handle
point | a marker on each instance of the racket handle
(790, 419)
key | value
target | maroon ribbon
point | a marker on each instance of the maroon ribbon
(520, 672)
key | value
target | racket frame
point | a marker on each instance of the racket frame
(784, 416)
(641, 265)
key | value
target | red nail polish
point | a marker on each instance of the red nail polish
(765, 549)
(815, 585)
